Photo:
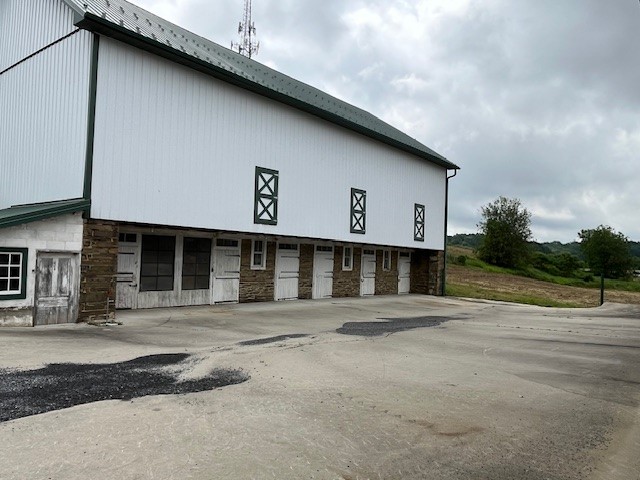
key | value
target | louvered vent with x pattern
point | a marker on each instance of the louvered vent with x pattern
(266, 197)
(358, 210)
(418, 223)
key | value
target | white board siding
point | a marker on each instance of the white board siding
(176, 147)
(43, 107)
(26, 26)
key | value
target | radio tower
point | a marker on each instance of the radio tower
(247, 45)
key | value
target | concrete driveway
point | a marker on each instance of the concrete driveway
(447, 388)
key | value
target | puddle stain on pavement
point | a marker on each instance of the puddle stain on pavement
(63, 385)
(389, 325)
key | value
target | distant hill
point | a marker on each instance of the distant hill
(472, 240)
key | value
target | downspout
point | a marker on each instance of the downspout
(446, 219)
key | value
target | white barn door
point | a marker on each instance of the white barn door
(226, 271)
(287, 271)
(404, 272)
(322, 272)
(368, 272)
(127, 275)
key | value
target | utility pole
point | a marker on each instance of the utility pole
(247, 45)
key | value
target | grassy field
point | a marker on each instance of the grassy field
(477, 279)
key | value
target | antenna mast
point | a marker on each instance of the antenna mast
(247, 29)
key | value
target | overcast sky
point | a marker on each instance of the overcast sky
(534, 99)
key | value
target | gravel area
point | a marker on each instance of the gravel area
(63, 385)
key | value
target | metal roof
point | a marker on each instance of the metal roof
(129, 23)
(19, 214)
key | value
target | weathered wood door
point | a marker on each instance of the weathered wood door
(287, 271)
(127, 279)
(322, 272)
(404, 272)
(57, 288)
(368, 272)
(226, 271)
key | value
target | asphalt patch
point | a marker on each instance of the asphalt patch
(390, 325)
(278, 338)
(63, 385)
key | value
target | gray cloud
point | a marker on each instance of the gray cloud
(535, 100)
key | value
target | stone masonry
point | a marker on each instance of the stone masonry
(386, 280)
(257, 285)
(305, 279)
(346, 283)
(98, 270)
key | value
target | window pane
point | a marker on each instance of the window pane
(4, 285)
(257, 259)
(149, 256)
(150, 242)
(14, 284)
(15, 272)
(202, 282)
(204, 245)
(190, 244)
(147, 284)
(4, 272)
(189, 269)
(203, 258)
(165, 257)
(165, 269)
(189, 258)
(167, 243)
(188, 283)
(165, 283)
(4, 259)
(202, 269)
(15, 258)
(149, 269)
(257, 246)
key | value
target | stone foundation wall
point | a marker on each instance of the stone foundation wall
(98, 269)
(426, 272)
(346, 283)
(305, 280)
(386, 280)
(257, 285)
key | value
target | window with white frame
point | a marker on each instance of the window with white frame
(13, 273)
(386, 260)
(347, 258)
(258, 254)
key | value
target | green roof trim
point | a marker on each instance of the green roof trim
(133, 25)
(21, 214)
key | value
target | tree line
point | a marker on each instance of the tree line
(505, 239)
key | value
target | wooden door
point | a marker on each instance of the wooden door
(404, 272)
(127, 277)
(322, 272)
(287, 271)
(368, 272)
(57, 287)
(226, 271)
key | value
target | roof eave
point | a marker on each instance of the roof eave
(44, 211)
(102, 26)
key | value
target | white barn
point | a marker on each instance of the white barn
(128, 178)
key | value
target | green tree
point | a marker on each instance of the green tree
(506, 230)
(606, 251)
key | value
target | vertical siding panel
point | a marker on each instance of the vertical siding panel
(43, 141)
(194, 141)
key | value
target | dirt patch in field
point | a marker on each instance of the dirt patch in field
(513, 284)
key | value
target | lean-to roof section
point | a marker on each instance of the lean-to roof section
(129, 23)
